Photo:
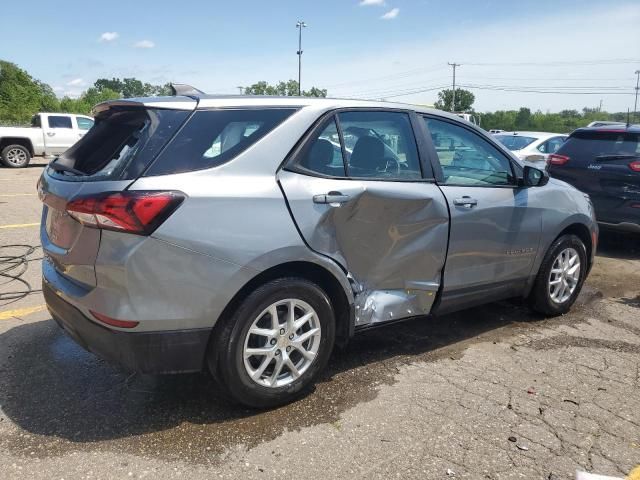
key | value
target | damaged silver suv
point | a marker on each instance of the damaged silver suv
(248, 235)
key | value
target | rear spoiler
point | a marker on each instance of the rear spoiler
(191, 96)
(184, 89)
(176, 103)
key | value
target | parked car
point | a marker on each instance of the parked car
(469, 117)
(49, 134)
(605, 163)
(606, 123)
(251, 259)
(532, 146)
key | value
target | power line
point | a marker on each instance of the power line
(402, 74)
(393, 94)
(519, 90)
(614, 61)
(561, 87)
(395, 87)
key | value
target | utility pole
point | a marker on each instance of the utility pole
(240, 89)
(600, 107)
(300, 25)
(635, 106)
(453, 103)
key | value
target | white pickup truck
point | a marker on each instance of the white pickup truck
(49, 134)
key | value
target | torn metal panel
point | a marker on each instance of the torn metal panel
(386, 305)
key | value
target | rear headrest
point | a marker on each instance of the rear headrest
(368, 153)
(320, 155)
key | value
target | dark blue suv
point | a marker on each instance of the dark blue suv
(605, 163)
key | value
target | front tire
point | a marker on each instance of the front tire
(272, 348)
(560, 277)
(15, 156)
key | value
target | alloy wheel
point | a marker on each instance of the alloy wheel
(282, 343)
(16, 156)
(564, 276)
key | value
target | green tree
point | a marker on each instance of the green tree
(464, 100)
(131, 87)
(523, 119)
(21, 96)
(285, 89)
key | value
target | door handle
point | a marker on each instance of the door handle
(331, 197)
(51, 134)
(466, 202)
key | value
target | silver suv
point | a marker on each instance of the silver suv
(248, 235)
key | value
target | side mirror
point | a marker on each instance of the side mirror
(534, 177)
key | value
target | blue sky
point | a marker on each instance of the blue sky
(395, 49)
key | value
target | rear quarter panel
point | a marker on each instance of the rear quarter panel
(233, 225)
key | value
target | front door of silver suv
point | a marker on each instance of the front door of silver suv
(495, 231)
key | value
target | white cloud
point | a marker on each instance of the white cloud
(405, 69)
(144, 44)
(391, 14)
(366, 3)
(76, 82)
(109, 36)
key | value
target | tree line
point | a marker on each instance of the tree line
(21, 96)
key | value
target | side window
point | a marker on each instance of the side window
(59, 121)
(467, 158)
(380, 145)
(323, 154)
(84, 123)
(213, 137)
(553, 144)
(544, 147)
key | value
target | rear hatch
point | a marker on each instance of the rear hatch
(86, 187)
(605, 163)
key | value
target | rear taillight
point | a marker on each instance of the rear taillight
(130, 211)
(555, 159)
(635, 166)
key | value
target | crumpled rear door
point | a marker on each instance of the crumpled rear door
(391, 237)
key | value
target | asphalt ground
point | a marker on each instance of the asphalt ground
(493, 392)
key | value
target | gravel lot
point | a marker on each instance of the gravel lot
(494, 392)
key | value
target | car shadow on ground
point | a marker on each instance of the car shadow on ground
(620, 245)
(51, 387)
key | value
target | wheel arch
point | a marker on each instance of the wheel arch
(581, 231)
(574, 227)
(22, 141)
(325, 279)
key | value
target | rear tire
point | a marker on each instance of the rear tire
(15, 156)
(560, 277)
(289, 354)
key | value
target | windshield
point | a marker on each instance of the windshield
(515, 142)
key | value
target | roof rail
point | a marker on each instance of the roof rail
(184, 89)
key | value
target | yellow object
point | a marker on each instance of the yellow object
(20, 225)
(21, 312)
(634, 474)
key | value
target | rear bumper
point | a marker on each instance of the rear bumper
(174, 351)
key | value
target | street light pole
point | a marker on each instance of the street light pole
(300, 25)
(635, 106)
